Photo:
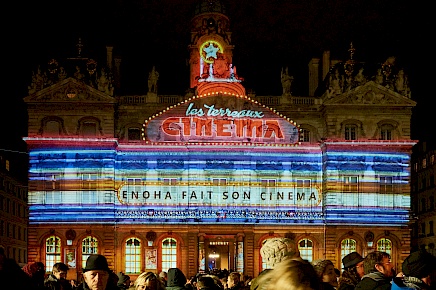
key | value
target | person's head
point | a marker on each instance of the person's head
(123, 279)
(60, 271)
(274, 250)
(96, 272)
(163, 275)
(207, 282)
(379, 261)
(290, 274)
(148, 281)
(233, 279)
(353, 262)
(421, 265)
(175, 277)
(325, 271)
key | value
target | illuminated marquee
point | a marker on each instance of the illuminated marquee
(222, 118)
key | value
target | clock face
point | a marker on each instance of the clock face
(209, 50)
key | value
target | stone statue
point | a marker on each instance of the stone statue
(286, 81)
(153, 77)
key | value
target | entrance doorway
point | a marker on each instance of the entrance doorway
(218, 255)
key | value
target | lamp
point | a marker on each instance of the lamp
(214, 255)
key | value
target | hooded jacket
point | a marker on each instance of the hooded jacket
(176, 280)
(374, 281)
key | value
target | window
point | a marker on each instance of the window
(305, 246)
(430, 228)
(386, 184)
(347, 246)
(51, 182)
(134, 134)
(133, 256)
(267, 184)
(89, 129)
(52, 252)
(350, 184)
(350, 132)
(89, 181)
(89, 246)
(169, 185)
(52, 128)
(384, 245)
(169, 254)
(304, 135)
(386, 132)
(264, 264)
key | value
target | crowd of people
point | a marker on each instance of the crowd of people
(288, 271)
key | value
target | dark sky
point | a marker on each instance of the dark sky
(267, 34)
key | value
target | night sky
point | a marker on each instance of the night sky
(267, 34)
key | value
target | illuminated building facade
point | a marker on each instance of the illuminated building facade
(200, 181)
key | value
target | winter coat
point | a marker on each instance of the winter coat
(374, 281)
(176, 280)
(408, 283)
(52, 283)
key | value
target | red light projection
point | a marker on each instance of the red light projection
(221, 118)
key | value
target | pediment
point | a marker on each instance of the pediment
(70, 90)
(370, 94)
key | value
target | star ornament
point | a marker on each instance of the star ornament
(209, 50)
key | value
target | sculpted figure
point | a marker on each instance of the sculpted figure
(153, 77)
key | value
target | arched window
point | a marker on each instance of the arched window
(347, 246)
(264, 264)
(52, 252)
(133, 256)
(384, 245)
(89, 246)
(305, 246)
(169, 254)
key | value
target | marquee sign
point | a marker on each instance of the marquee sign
(221, 118)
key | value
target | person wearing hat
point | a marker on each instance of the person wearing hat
(419, 268)
(353, 271)
(273, 251)
(96, 274)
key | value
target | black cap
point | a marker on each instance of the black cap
(351, 259)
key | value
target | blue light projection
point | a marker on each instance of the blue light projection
(171, 180)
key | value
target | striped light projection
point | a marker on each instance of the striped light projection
(192, 169)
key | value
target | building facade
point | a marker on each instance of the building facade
(423, 197)
(201, 180)
(13, 206)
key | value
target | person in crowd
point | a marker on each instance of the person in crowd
(290, 274)
(234, 281)
(57, 280)
(36, 273)
(353, 271)
(273, 251)
(123, 281)
(418, 272)
(11, 275)
(207, 282)
(325, 272)
(164, 277)
(149, 281)
(379, 272)
(96, 274)
(176, 280)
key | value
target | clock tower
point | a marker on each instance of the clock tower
(211, 51)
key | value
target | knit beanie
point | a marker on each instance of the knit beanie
(275, 250)
(320, 265)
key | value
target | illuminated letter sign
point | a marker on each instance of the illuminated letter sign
(221, 119)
